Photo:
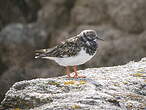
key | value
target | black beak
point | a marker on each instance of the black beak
(99, 38)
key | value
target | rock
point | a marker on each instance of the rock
(55, 10)
(30, 71)
(18, 42)
(127, 15)
(18, 11)
(89, 12)
(113, 88)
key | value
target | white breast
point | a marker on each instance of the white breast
(81, 58)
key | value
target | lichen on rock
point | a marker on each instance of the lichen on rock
(113, 88)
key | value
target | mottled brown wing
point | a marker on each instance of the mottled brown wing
(65, 49)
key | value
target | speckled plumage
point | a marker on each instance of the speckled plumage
(72, 47)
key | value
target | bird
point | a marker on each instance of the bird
(72, 52)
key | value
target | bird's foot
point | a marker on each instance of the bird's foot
(76, 76)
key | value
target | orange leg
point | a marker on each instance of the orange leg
(76, 74)
(67, 72)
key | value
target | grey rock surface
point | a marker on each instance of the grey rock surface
(128, 14)
(17, 43)
(84, 9)
(18, 11)
(106, 88)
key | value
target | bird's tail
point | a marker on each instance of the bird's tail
(40, 53)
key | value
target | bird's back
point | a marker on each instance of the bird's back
(65, 49)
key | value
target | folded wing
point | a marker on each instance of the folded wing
(65, 49)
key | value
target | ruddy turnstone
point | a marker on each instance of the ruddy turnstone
(74, 51)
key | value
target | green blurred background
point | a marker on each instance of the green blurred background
(27, 25)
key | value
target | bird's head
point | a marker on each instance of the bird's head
(90, 35)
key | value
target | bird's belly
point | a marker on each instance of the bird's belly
(81, 58)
